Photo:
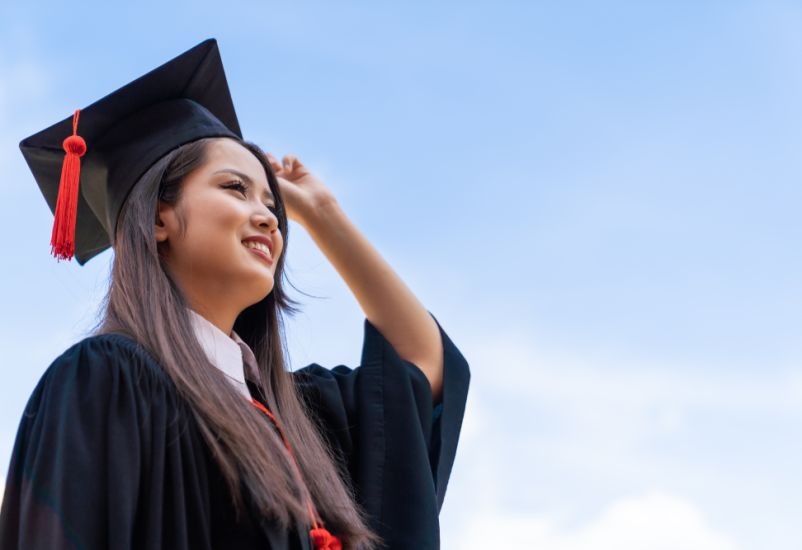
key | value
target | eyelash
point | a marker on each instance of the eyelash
(239, 186)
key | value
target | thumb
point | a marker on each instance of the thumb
(274, 164)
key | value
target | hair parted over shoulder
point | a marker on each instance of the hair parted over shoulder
(146, 304)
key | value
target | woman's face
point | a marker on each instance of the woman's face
(221, 238)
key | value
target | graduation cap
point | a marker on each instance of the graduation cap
(87, 164)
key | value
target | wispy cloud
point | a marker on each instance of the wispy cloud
(653, 521)
(555, 433)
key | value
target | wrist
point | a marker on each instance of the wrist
(320, 213)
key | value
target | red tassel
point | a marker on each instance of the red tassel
(323, 540)
(62, 240)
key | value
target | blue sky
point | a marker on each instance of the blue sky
(598, 201)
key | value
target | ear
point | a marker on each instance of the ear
(164, 214)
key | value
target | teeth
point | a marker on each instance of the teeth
(257, 246)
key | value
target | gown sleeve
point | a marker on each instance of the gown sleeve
(100, 459)
(396, 447)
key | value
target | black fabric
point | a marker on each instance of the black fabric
(396, 447)
(127, 131)
(108, 455)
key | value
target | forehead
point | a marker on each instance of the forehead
(226, 153)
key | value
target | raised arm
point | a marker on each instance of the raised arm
(385, 299)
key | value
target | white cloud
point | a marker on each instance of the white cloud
(653, 521)
(585, 386)
(566, 433)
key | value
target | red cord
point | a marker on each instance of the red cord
(322, 539)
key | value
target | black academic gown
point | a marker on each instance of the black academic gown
(108, 455)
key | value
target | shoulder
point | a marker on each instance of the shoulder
(104, 364)
(109, 344)
(105, 352)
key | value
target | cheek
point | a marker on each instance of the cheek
(212, 228)
(280, 246)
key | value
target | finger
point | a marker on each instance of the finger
(289, 161)
(274, 163)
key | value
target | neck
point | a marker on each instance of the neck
(222, 318)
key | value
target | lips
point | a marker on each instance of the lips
(259, 239)
(261, 246)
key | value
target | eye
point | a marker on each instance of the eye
(237, 185)
(242, 187)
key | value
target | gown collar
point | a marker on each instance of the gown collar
(228, 353)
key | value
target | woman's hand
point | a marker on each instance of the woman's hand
(303, 193)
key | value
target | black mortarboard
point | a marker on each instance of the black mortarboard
(120, 137)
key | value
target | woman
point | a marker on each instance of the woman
(177, 425)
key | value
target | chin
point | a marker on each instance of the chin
(261, 290)
(253, 283)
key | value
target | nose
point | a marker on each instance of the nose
(264, 218)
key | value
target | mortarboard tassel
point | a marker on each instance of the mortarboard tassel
(62, 240)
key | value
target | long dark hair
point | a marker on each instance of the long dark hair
(145, 303)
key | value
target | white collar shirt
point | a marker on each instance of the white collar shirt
(228, 353)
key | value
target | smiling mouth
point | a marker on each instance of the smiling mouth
(259, 250)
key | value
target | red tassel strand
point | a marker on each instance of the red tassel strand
(62, 240)
(321, 538)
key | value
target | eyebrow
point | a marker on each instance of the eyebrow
(247, 179)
